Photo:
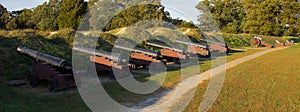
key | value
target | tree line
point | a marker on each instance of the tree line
(265, 17)
(58, 14)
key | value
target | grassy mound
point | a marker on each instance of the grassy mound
(15, 66)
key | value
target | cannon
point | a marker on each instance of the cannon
(196, 48)
(279, 44)
(142, 57)
(105, 61)
(289, 43)
(169, 53)
(217, 46)
(257, 42)
(56, 71)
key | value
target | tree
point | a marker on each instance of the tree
(137, 14)
(12, 24)
(107, 15)
(4, 17)
(228, 14)
(71, 13)
(290, 17)
(271, 17)
(44, 16)
(24, 19)
(265, 17)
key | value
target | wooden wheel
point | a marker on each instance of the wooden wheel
(32, 80)
(52, 87)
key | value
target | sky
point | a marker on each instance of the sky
(182, 9)
(177, 8)
(13, 5)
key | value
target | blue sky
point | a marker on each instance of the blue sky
(178, 8)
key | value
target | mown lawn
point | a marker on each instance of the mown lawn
(267, 83)
(14, 66)
(12, 100)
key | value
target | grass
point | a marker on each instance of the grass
(267, 83)
(243, 40)
(10, 60)
(14, 100)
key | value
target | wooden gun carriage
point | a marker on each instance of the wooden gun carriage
(142, 57)
(56, 71)
(170, 54)
(196, 48)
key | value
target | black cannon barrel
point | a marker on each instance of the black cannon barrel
(165, 47)
(116, 57)
(54, 61)
(140, 50)
(192, 43)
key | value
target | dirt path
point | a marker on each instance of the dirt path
(176, 94)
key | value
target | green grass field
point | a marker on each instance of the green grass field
(27, 99)
(267, 83)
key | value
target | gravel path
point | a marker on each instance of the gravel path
(160, 104)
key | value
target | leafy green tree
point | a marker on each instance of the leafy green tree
(136, 14)
(12, 24)
(265, 17)
(228, 14)
(4, 17)
(182, 23)
(123, 13)
(24, 19)
(71, 13)
(271, 17)
(290, 17)
(44, 16)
